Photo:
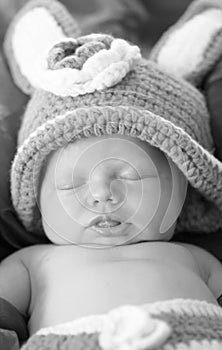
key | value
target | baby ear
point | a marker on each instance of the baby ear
(36, 28)
(190, 48)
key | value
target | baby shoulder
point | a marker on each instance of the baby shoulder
(207, 262)
(27, 254)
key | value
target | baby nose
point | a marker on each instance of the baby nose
(104, 191)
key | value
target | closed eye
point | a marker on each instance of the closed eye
(133, 175)
(76, 183)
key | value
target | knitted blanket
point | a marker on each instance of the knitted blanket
(180, 324)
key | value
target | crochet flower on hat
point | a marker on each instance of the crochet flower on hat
(83, 65)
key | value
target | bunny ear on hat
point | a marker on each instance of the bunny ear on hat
(191, 48)
(40, 25)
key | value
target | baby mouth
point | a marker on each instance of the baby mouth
(107, 223)
(108, 226)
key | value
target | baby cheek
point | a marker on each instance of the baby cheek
(143, 199)
(60, 216)
(70, 204)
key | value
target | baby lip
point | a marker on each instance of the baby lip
(109, 226)
(108, 223)
(104, 222)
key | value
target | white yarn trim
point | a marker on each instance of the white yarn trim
(184, 49)
(34, 33)
(189, 307)
(89, 324)
(197, 345)
(104, 69)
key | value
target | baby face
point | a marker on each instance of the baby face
(110, 190)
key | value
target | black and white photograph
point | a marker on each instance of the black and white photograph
(111, 175)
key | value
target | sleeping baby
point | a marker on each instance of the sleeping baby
(104, 233)
(114, 157)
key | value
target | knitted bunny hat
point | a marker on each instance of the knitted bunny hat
(99, 85)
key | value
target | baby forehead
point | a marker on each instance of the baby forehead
(111, 148)
(110, 152)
